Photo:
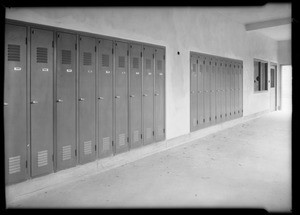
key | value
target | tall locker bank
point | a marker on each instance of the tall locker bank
(15, 103)
(65, 100)
(86, 99)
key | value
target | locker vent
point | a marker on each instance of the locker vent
(136, 136)
(41, 55)
(121, 139)
(149, 133)
(42, 158)
(66, 152)
(121, 61)
(159, 64)
(14, 164)
(13, 52)
(148, 64)
(87, 147)
(105, 143)
(87, 58)
(135, 63)
(105, 60)
(66, 57)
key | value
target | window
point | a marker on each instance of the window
(260, 76)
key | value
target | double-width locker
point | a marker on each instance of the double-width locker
(200, 92)
(148, 98)
(105, 97)
(121, 97)
(193, 94)
(15, 103)
(41, 101)
(135, 96)
(86, 99)
(65, 100)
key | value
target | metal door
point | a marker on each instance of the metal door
(273, 87)
(65, 100)
(223, 101)
(105, 97)
(200, 92)
(41, 109)
(15, 104)
(135, 96)
(194, 95)
(227, 78)
(212, 90)
(236, 89)
(218, 103)
(159, 95)
(241, 88)
(231, 89)
(207, 69)
(148, 88)
(121, 97)
(86, 99)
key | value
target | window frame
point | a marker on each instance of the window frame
(260, 75)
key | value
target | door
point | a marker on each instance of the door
(227, 86)
(86, 99)
(231, 72)
(15, 103)
(273, 87)
(65, 100)
(236, 89)
(159, 95)
(223, 98)
(41, 102)
(148, 88)
(105, 97)
(135, 96)
(218, 101)
(241, 88)
(200, 92)
(212, 90)
(194, 95)
(206, 90)
(121, 97)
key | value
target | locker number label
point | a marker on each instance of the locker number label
(150, 73)
(161, 74)
(90, 71)
(69, 70)
(137, 73)
(17, 68)
(123, 72)
(107, 71)
(45, 69)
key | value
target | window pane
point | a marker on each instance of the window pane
(256, 76)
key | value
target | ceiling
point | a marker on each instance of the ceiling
(247, 15)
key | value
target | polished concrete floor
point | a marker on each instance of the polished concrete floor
(248, 165)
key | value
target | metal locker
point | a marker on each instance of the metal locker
(218, 105)
(194, 95)
(121, 97)
(159, 95)
(135, 96)
(65, 100)
(86, 99)
(241, 88)
(230, 73)
(207, 69)
(222, 74)
(236, 85)
(227, 86)
(212, 90)
(41, 108)
(15, 104)
(200, 92)
(105, 97)
(148, 89)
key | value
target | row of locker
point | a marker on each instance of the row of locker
(70, 99)
(216, 90)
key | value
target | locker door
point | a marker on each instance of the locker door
(212, 91)
(65, 100)
(241, 88)
(135, 96)
(236, 85)
(227, 78)
(223, 98)
(41, 112)
(194, 96)
(207, 69)
(121, 97)
(200, 92)
(15, 104)
(105, 97)
(159, 95)
(218, 106)
(231, 90)
(86, 99)
(148, 88)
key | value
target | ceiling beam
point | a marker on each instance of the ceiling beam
(267, 24)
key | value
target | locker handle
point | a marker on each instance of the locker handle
(156, 94)
(81, 99)
(59, 100)
(101, 98)
(145, 95)
(117, 97)
(5, 104)
(33, 102)
(132, 96)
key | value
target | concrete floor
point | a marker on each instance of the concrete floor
(248, 165)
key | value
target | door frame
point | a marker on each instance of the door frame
(275, 66)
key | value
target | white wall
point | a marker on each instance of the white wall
(178, 29)
(284, 52)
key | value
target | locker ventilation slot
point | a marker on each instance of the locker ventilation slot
(136, 136)
(135, 63)
(148, 64)
(41, 55)
(149, 133)
(13, 52)
(105, 60)
(87, 58)
(159, 65)
(121, 61)
(121, 139)
(105, 143)
(42, 158)
(65, 57)
(14, 164)
(66, 152)
(87, 147)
